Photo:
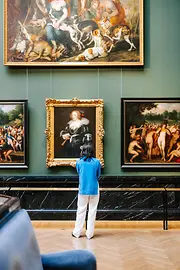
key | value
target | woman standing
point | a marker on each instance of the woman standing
(89, 170)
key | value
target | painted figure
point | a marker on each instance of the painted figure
(174, 139)
(110, 9)
(75, 134)
(58, 14)
(134, 148)
(174, 153)
(132, 130)
(163, 131)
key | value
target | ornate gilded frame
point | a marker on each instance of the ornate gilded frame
(50, 124)
(17, 17)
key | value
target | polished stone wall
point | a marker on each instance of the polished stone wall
(122, 198)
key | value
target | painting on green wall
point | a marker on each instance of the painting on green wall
(151, 133)
(73, 33)
(13, 134)
(72, 124)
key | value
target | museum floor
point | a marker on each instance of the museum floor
(120, 249)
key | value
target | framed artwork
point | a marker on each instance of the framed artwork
(73, 33)
(13, 134)
(150, 133)
(70, 125)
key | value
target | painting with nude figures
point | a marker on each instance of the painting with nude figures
(73, 33)
(150, 133)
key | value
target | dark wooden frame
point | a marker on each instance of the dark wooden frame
(125, 163)
(24, 164)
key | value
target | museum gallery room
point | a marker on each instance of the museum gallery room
(89, 135)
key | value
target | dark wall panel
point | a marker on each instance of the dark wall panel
(122, 198)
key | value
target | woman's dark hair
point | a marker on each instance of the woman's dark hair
(86, 152)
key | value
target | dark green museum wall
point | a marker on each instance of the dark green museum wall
(160, 77)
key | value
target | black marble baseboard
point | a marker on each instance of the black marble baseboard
(40, 198)
(105, 181)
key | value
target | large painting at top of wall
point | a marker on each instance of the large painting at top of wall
(73, 32)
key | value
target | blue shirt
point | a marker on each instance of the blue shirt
(89, 172)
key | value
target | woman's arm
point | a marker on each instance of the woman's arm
(65, 133)
(77, 167)
(99, 169)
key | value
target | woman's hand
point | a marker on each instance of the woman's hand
(66, 137)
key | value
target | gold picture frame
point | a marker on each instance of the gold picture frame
(71, 124)
(34, 35)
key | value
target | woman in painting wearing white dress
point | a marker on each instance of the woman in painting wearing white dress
(75, 134)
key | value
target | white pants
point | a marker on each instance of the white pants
(83, 201)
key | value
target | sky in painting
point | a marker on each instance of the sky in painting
(6, 108)
(161, 107)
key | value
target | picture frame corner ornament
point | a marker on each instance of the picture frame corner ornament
(48, 101)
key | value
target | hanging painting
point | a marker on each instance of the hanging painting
(13, 134)
(73, 33)
(70, 125)
(150, 133)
